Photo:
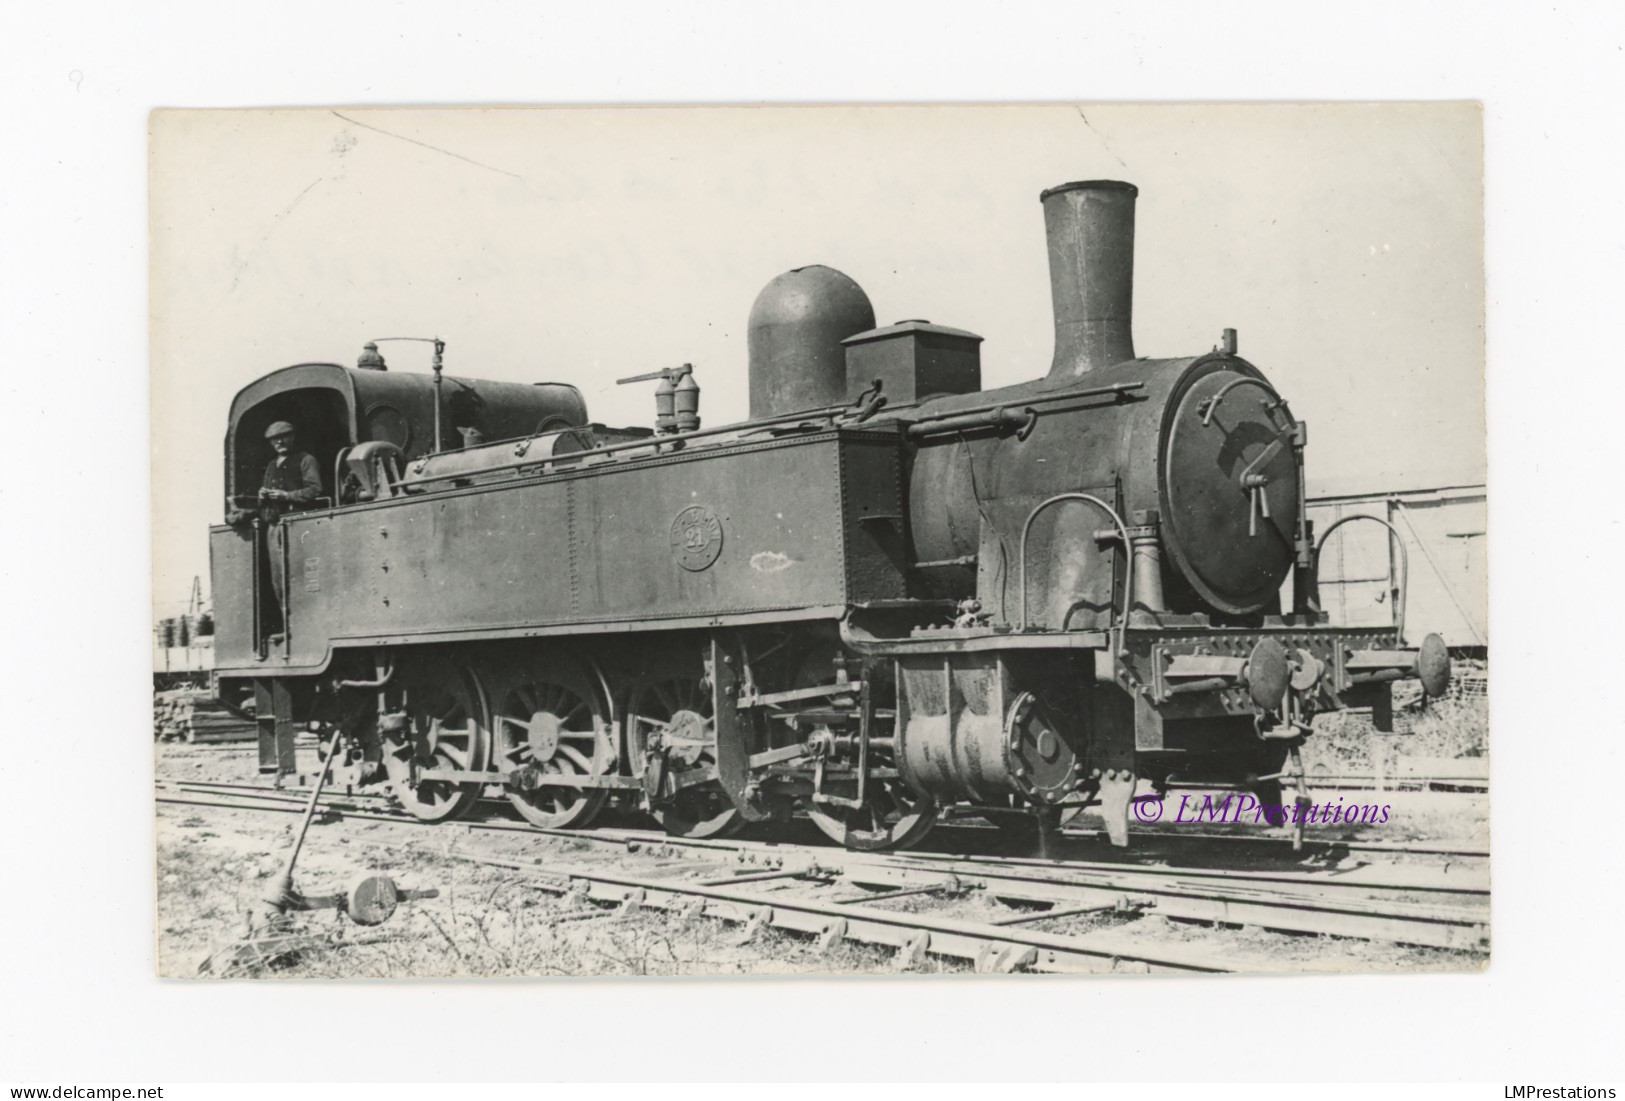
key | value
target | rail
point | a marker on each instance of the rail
(170, 790)
(1289, 900)
(989, 947)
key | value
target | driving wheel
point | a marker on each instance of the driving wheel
(893, 816)
(447, 727)
(671, 729)
(550, 722)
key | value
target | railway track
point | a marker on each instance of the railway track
(1311, 842)
(807, 888)
(988, 947)
(1148, 835)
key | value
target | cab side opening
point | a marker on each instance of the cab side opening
(321, 418)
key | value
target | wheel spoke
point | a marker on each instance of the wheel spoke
(539, 708)
(446, 710)
(563, 799)
(577, 756)
(892, 817)
(699, 810)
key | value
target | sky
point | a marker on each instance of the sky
(1344, 242)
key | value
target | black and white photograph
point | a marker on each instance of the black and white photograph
(825, 540)
(805, 550)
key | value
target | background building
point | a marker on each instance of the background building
(1441, 521)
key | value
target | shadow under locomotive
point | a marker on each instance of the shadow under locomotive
(887, 593)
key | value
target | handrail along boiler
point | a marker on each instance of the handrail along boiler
(887, 593)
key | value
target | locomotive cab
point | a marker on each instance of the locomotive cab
(320, 418)
(336, 409)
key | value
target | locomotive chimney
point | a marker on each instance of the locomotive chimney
(1090, 228)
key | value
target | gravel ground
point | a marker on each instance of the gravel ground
(212, 863)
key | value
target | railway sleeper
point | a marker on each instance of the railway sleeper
(1453, 928)
(1425, 925)
(1305, 910)
(950, 938)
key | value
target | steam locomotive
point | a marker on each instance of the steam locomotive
(886, 595)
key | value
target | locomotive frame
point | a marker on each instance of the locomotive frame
(886, 593)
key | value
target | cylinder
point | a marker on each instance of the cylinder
(795, 333)
(1090, 229)
(666, 406)
(686, 403)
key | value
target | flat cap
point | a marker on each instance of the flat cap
(278, 428)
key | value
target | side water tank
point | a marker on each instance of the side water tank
(796, 328)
